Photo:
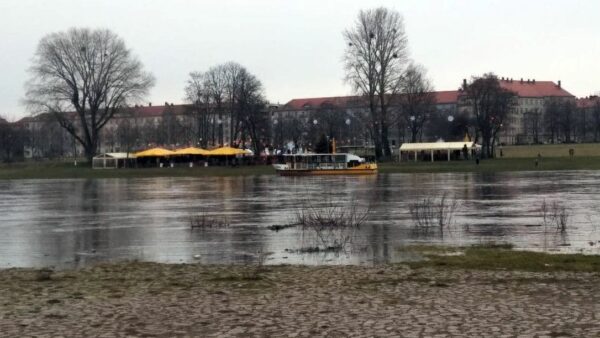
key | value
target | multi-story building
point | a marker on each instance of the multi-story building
(297, 123)
(343, 118)
(589, 118)
(524, 124)
(134, 128)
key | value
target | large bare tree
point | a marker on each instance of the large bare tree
(375, 59)
(250, 107)
(532, 124)
(83, 77)
(229, 91)
(416, 100)
(216, 84)
(234, 74)
(490, 104)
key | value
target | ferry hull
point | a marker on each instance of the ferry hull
(307, 172)
(364, 169)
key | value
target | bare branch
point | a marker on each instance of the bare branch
(87, 74)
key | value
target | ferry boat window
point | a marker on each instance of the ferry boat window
(353, 163)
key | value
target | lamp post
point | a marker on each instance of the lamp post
(274, 132)
(212, 136)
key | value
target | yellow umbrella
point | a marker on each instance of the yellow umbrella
(155, 152)
(227, 151)
(192, 151)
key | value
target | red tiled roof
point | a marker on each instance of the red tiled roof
(315, 102)
(446, 97)
(157, 111)
(139, 111)
(442, 97)
(534, 89)
(524, 89)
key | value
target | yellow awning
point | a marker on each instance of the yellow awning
(155, 152)
(192, 151)
(227, 151)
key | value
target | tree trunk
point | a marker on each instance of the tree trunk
(385, 142)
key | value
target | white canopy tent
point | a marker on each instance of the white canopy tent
(433, 147)
(112, 160)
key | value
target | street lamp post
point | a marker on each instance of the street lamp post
(274, 132)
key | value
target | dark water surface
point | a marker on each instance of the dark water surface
(77, 222)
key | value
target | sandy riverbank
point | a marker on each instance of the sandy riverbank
(148, 299)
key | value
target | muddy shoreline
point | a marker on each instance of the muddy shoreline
(151, 299)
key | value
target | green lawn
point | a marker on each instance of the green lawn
(501, 257)
(494, 165)
(551, 150)
(68, 170)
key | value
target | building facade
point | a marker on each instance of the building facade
(299, 123)
(525, 123)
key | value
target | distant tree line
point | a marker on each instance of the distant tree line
(12, 141)
(228, 96)
(88, 79)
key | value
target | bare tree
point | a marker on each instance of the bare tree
(416, 100)
(331, 122)
(291, 128)
(251, 111)
(567, 119)
(46, 139)
(560, 119)
(596, 119)
(84, 77)
(199, 95)
(375, 58)
(532, 121)
(551, 118)
(229, 91)
(234, 75)
(216, 83)
(12, 140)
(490, 105)
(171, 131)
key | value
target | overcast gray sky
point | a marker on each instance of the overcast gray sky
(296, 47)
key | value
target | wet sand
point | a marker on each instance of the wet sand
(150, 299)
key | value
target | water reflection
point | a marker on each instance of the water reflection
(67, 223)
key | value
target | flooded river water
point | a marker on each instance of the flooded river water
(77, 222)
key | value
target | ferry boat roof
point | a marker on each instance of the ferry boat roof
(349, 157)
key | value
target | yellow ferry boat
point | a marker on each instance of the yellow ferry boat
(324, 164)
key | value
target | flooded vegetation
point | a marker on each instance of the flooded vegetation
(67, 223)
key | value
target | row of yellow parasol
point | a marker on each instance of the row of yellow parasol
(223, 151)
